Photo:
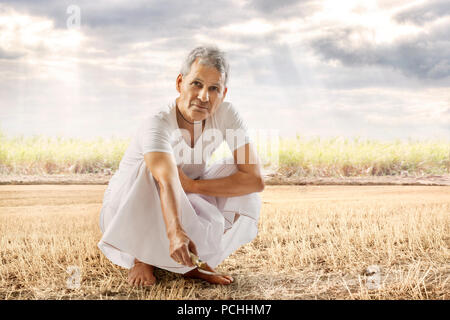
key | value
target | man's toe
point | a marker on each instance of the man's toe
(219, 280)
(149, 283)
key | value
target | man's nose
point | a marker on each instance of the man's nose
(203, 95)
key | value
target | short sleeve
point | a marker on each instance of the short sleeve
(154, 135)
(235, 129)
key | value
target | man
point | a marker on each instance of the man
(164, 202)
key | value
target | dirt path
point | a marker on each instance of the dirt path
(79, 195)
(98, 179)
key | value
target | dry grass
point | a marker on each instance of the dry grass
(314, 243)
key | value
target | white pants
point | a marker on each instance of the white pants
(132, 221)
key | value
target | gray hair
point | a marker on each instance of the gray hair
(210, 56)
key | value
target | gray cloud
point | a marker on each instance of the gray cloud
(282, 8)
(278, 67)
(424, 12)
(425, 56)
(112, 28)
(54, 9)
(151, 16)
(119, 24)
(10, 55)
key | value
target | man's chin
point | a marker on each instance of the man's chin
(199, 115)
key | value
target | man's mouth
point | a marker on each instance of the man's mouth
(198, 106)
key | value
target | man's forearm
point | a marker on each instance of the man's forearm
(170, 207)
(237, 184)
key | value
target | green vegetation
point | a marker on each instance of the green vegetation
(45, 155)
(357, 157)
(297, 156)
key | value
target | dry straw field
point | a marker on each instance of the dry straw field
(314, 242)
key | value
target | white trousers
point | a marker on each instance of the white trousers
(133, 226)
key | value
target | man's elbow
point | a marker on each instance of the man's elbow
(260, 184)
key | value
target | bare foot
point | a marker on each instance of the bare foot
(225, 279)
(141, 274)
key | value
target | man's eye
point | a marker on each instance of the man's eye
(196, 83)
(214, 88)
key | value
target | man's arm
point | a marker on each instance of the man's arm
(247, 179)
(164, 170)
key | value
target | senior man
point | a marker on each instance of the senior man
(164, 202)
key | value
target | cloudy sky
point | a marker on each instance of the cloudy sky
(373, 69)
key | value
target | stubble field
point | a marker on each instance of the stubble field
(314, 242)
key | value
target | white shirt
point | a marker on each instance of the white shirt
(160, 132)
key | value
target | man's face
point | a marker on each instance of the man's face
(201, 91)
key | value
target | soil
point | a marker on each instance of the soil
(272, 179)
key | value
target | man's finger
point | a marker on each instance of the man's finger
(177, 258)
(193, 248)
(186, 257)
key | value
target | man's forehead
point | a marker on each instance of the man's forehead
(206, 73)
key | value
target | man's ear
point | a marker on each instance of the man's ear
(178, 82)
(225, 93)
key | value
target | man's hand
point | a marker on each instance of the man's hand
(180, 245)
(186, 182)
